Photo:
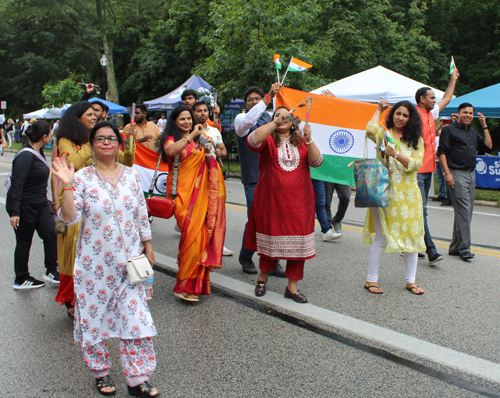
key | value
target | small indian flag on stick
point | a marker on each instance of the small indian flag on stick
(452, 65)
(296, 65)
(277, 62)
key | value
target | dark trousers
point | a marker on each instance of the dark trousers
(344, 194)
(249, 189)
(319, 191)
(39, 218)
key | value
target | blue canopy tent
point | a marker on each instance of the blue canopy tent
(173, 99)
(486, 101)
(113, 108)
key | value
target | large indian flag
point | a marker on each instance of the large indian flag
(145, 164)
(338, 128)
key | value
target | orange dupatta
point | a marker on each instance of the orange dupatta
(201, 215)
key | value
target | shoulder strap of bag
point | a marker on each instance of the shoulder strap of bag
(174, 177)
(37, 155)
(114, 208)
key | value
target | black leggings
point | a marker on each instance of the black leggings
(39, 218)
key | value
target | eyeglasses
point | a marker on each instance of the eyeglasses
(111, 139)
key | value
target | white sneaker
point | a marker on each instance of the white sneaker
(331, 235)
(227, 252)
(176, 228)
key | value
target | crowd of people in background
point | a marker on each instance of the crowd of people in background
(102, 218)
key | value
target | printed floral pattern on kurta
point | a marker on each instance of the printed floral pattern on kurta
(106, 305)
(402, 222)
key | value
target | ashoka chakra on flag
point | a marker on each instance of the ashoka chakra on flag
(341, 141)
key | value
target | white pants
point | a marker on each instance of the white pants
(377, 251)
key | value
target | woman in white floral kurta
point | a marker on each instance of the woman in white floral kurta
(106, 304)
(399, 227)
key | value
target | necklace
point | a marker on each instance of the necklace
(284, 139)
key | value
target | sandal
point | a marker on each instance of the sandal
(70, 310)
(105, 382)
(186, 298)
(380, 291)
(143, 390)
(416, 292)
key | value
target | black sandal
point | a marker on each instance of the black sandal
(143, 390)
(105, 382)
(70, 310)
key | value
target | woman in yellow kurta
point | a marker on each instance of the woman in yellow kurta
(399, 227)
(72, 144)
(199, 206)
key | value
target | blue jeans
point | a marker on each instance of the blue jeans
(319, 191)
(249, 189)
(424, 183)
(443, 189)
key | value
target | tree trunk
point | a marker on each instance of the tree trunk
(112, 92)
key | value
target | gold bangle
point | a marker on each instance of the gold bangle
(187, 140)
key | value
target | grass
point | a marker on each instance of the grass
(490, 195)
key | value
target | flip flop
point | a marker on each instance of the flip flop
(368, 288)
(415, 287)
(182, 297)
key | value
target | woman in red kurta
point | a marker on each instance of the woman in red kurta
(281, 223)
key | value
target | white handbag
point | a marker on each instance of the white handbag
(139, 268)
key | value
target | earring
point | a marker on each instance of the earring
(117, 159)
(93, 159)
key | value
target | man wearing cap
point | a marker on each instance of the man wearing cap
(457, 150)
(429, 111)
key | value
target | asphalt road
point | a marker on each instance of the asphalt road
(231, 345)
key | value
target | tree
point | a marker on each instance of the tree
(66, 91)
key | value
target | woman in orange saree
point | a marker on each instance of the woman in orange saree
(199, 206)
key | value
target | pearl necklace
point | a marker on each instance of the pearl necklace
(285, 139)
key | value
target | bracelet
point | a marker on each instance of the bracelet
(396, 155)
(187, 140)
(485, 128)
(310, 142)
(69, 189)
(266, 96)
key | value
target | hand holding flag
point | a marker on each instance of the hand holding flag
(452, 65)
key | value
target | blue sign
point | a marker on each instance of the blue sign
(488, 172)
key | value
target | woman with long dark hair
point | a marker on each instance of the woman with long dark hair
(29, 209)
(73, 145)
(200, 204)
(281, 222)
(399, 227)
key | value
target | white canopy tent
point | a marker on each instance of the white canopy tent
(372, 84)
(46, 113)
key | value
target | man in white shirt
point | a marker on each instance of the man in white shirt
(256, 103)
(162, 123)
(200, 111)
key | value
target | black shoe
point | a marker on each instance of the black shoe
(52, 276)
(279, 271)
(467, 256)
(143, 390)
(28, 283)
(420, 255)
(454, 254)
(447, 203)
(105, 382)
(248, 265)
(434, 258)
(439, 199)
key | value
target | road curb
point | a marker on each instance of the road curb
(389, 338)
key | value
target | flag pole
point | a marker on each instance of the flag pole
(278, 73)
(285, 73)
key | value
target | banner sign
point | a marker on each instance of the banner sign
(488, 172)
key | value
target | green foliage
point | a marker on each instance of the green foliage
(66, 91)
